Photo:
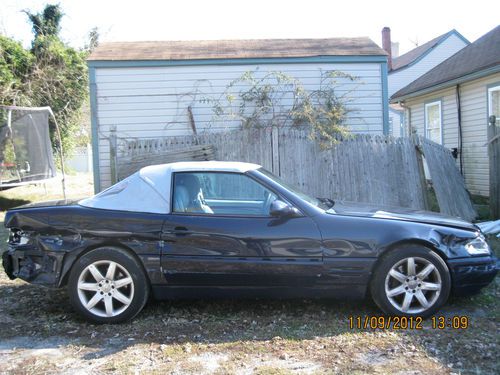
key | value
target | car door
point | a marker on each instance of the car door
(220, 233)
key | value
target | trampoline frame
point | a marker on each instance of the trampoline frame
(9, 109)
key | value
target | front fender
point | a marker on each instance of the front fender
(352, 236)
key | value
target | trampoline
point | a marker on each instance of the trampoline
(25, 147)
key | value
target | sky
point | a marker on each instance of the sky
(132, 20)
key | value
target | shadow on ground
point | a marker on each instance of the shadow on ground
(37, 311)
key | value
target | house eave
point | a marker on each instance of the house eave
(444, 85)
(239, 61)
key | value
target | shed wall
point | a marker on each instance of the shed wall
(150, 102)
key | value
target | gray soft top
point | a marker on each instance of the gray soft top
(148, 190)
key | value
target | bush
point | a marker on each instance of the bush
(276, 99)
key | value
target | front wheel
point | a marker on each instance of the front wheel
(107, 285)
(411, 281)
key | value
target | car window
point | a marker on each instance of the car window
(218, 193)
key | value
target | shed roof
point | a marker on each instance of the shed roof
(230, 49)
(416, 53)
(482, 55)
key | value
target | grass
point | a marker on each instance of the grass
(42, 334)
(481, 204)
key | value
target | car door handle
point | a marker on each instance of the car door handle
(180, 229)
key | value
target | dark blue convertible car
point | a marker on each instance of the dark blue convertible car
(222, 229)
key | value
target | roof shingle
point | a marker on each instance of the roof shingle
(230, 49)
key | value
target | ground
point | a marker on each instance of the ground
(41, 333)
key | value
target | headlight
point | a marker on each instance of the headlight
(477, 246)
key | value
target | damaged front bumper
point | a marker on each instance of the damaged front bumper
(32, 264)
(470, 275)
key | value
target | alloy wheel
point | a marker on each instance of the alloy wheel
(413, 285)
(105, 288)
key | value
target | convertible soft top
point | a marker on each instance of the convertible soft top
(148, 190)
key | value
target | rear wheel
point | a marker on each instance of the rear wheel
(411, 281)
(107, 285)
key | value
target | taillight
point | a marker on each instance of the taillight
(18, 237)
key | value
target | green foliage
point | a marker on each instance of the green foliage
(50, 74)
(61, 83)
(15, 67)
(276, 99)
(46, 23)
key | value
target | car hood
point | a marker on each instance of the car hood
(399, 213)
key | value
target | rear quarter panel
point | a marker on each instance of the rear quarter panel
(74, 230)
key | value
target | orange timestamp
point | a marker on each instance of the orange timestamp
(404, 322)
(453, 322)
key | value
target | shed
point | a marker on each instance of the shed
(144, 89)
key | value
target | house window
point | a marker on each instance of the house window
(494, 102)
(433, 124)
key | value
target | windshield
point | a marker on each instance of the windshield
(323, 204)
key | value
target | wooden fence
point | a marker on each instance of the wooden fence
(373, 169)
(447, 181)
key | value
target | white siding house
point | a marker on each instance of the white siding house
(410, 66)
(413, 64)
(144, 89)
(468, 79)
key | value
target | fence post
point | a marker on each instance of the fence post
(275, 150)
(421, 171)
(112, 155)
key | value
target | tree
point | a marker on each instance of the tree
(93, 39)
(46, 23)
(16, 65)
(50, 74)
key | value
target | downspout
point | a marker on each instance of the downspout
(407, 118)
(459, 119)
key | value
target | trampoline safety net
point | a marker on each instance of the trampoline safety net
(25, 147)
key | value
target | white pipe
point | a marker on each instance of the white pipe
(32, 109)
(60, 152)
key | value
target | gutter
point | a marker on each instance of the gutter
(448, 84)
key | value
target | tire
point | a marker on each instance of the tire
(411, 281)
(119, 295)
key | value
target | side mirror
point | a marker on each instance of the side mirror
(281, 209)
